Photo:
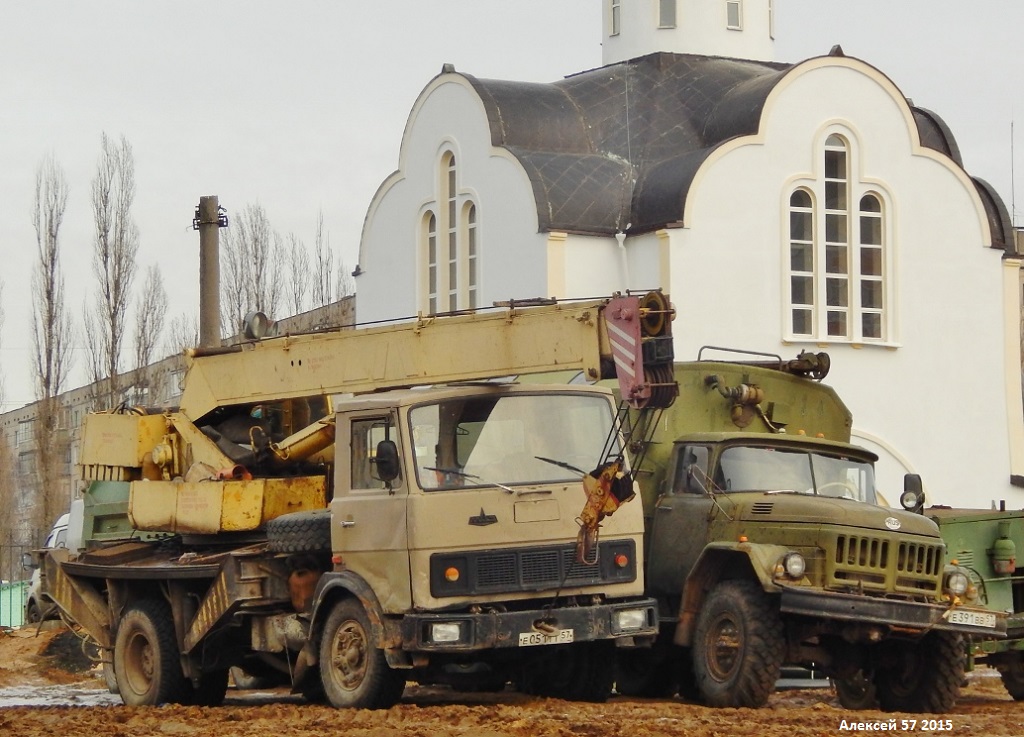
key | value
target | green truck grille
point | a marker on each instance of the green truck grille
(885, 564)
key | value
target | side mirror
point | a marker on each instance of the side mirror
(386, 460)
(912, 498)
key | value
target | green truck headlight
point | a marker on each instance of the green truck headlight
(957, 583)
(795, 565)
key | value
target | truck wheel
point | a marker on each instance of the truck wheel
(300, 532)
(211, 690)
(738, 646)
(856, 692)
(578, 672)
(354, 671)
(645, 672)
(1012, 673)
(146, 656)
(922, 676)
(32, 613)
(109, 676)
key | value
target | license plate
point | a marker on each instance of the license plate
(975, 619)
(557, 637)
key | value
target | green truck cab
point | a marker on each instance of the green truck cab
(986, 544)
(766, 546)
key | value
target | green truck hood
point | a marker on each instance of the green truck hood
(787, 507)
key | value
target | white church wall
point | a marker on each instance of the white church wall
(934, 394)
(449, 116)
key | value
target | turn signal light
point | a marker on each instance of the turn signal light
(622, 560)
(451, 574)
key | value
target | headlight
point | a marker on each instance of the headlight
(795, 565)
(631, 619)
(957, 583)
(445, 632)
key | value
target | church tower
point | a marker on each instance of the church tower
(742, 29)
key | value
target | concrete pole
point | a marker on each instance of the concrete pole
(209, 272)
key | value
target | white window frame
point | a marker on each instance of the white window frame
(614, 17)
(667, 13)
(734, 7)
(851, 252)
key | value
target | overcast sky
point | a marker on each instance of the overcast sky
(300, 106)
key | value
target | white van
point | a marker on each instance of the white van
(37, 606)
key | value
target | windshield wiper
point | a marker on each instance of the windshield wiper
(562, 464)
(464, 475)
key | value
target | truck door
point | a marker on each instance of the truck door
(369, 514)
(679, 528)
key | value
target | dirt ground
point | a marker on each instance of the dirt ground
(44, 660)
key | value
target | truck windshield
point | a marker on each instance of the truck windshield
(509, 439)
(772, 469)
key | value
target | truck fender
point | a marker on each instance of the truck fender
(336, 585)
(722, 561)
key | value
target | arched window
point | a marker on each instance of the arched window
(450, 236)
(837, 254)
(473, 265)
(432, 282)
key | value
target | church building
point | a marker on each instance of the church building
(782, 206)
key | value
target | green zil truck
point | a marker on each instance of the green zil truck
(766, 545)
(985, 543)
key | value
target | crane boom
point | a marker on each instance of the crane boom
(602, 338)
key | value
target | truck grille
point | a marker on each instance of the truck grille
(872, 562)
(530, 569)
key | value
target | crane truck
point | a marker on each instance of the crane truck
(767, 546)
(355, 509)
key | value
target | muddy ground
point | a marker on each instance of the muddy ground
(45, 661)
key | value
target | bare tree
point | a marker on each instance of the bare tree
(323, 285)
(183, 334)
(252, 268)
(344, 284)
(150, 317)
(51, 338)
(115, 248)
(298, 274)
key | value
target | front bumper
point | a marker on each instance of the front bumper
(503, 629)
(901, 614)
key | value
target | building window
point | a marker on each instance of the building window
(837, 256)
(734, 15)
(451, 246)
(473, 266)
(616, 18)
(24, 433)
(667, 14)
(431, 239)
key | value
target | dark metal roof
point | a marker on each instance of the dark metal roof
(616, 148)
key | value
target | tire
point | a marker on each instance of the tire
(146, 657)
(300, 532)
(645, 672)
(1012, 673)
(584, 671)
(109, 676)
(33, 615)
(922, 676)
(738, 646)
(245, 681)
(856, 692)
(211, 690)
(354, 672)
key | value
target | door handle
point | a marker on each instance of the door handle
(664, 508)
(347, 523)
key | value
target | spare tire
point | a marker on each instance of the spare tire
(300, 532)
